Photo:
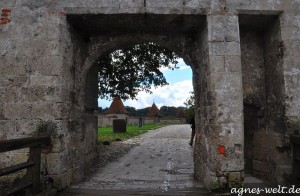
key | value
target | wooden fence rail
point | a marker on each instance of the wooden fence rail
(31, 179)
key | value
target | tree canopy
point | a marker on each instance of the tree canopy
(190, 105)
(127, 71)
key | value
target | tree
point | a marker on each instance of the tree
(128, 71)
(169, 111)
(190, 102)
(131, 110)
(190, 105)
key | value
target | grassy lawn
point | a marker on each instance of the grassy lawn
(106, 133)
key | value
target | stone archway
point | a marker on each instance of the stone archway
(42, 56)
(188, 37)
(85, 74)
(69, 101)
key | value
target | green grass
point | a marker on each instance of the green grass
(106, 133)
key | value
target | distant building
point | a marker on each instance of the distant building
(118, 111)
(154, 114)
(115, 111)
(117, 107)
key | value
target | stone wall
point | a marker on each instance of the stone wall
(104, 121)
(47, 78)
(267, 149)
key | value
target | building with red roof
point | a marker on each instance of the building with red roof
(154, 113)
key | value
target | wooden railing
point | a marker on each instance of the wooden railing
(31, 180)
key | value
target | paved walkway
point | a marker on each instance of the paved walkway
(163, 161)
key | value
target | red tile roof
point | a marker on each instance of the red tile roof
(117, 107)
(154, 111)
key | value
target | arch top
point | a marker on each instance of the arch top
(101, 45)
(108, 32)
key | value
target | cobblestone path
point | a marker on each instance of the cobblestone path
(163, 162)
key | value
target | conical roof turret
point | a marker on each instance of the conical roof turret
(154, 111)
(117, 107)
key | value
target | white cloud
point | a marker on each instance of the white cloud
(181, 64)
(171, 95)
(184, 67)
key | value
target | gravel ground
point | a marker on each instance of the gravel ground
(116, 150)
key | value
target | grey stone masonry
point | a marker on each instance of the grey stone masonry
(245, 57)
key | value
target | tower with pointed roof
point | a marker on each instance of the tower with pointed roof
(117, 109)
(154, 113)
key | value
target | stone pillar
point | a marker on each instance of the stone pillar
(221, 110)
(290, 34)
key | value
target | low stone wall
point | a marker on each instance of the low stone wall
(104, 121)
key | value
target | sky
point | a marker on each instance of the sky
(174, 94)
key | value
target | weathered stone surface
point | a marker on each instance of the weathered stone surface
(245, 60)
(217, 64)
(17, 111)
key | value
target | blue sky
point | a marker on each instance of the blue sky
(174, 94)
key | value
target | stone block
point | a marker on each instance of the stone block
(57, 163)
(292, 48)
(236, 133)
(27, 127)
(290, 65)
(57, 94)
(223, 28)
(227, 114)
(226, 81)
(58, 144)
(49, 110)
(232, 29)
(9, 95)
(232, 161)
(8, 129)
(224, 48)
(44, 110)
(216, 31)
(45, 81)
(165, 4)
(13, 81)
(32, 94)
(217, 64)
(36, 48)
(131, 4)
(13, 69)
(289, 21)
(17, 110)
(233, 63)
(52, 31)
(39, 94)
(53, 163)
(50, 65)
(290, 33)
(197, 3)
